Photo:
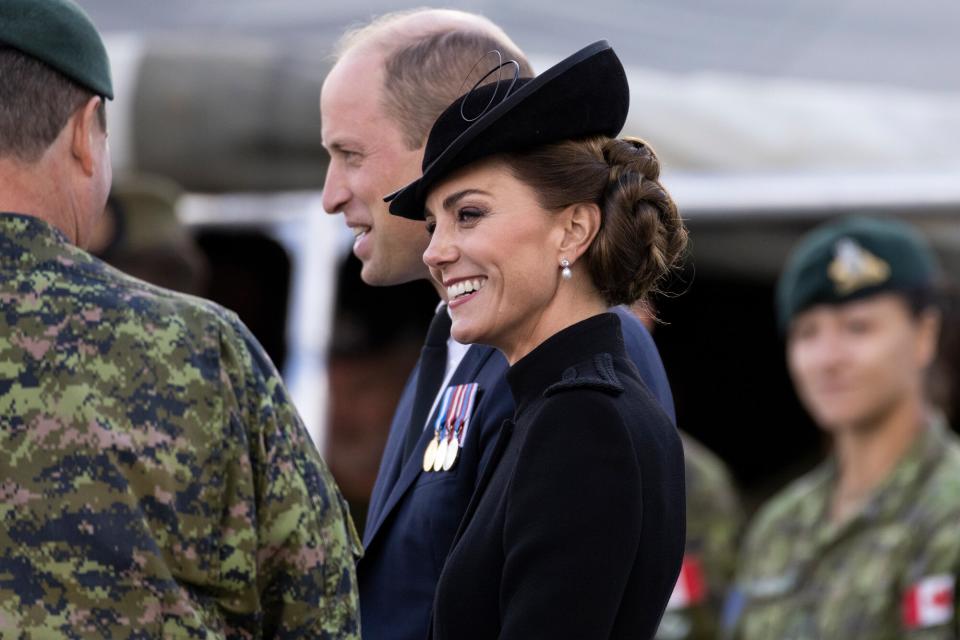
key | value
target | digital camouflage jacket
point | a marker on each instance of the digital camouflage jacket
(155, 479)
(886, 573)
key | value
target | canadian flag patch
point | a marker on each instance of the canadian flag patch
(929, 602)
(691, 587)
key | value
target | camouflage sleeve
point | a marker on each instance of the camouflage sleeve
(723, 523)
(306, 544)
(759, 541)
(714, 525)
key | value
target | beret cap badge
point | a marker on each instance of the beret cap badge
(854, 268)
(855, 257)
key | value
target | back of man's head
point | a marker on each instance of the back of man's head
(35, 104)
(430, 58)
(52, 61)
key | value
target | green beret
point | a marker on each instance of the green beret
(854, 258)
(149, 206)
(60, 34)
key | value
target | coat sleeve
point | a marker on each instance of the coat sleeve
(573, 522)
(303, 539)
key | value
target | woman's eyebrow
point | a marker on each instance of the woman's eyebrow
(453, 198)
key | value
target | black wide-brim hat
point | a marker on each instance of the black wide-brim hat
(584, 95)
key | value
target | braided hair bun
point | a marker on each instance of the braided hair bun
(641, 236)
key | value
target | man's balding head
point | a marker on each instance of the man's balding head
(430, 57)
(401, 28)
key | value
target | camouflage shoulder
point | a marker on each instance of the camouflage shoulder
(785, 506)
(193, 321)
(951, 460)
(707, 474)
(934, 522)
(940, 497)
(153, 299)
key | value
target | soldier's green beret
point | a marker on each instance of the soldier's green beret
(854, 258)
(149, 205)
(60, 34)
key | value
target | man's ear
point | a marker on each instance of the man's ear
(581, 223)
(85, 131)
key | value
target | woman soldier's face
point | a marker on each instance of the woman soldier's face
(495, 251)
(855, 363)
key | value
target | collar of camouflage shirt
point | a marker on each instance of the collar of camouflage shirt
(27, 240)
(889, 499)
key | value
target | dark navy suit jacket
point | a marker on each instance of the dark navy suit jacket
(414, 515)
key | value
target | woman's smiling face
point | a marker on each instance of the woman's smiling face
(496, 252)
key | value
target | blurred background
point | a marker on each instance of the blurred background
(769, 118)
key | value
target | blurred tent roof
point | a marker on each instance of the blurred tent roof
(741, 87)
(906, 44)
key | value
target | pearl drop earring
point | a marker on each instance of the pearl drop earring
(565, 269)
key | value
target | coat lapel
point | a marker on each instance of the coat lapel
(503, 439)
(390, 461)
(468, 370)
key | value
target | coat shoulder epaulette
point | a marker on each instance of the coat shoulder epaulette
(594, 373)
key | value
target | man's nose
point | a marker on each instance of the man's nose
(336, 193)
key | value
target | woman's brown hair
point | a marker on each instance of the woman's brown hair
(641, 236)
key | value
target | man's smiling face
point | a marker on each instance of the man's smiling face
(368, 160)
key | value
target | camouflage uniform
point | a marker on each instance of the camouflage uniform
(714, 521)
(155, 480)
(802, 576)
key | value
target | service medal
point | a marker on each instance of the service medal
(441, 456)
(439, 433)
(430, 454)
(451, 458)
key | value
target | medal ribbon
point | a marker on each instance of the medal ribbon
(450, 426)
(442, 412)
(464, 415)
(454, 413)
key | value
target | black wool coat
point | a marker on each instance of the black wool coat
(576, 529)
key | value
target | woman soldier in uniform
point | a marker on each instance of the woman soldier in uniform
(866, 545)
(540, 221)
